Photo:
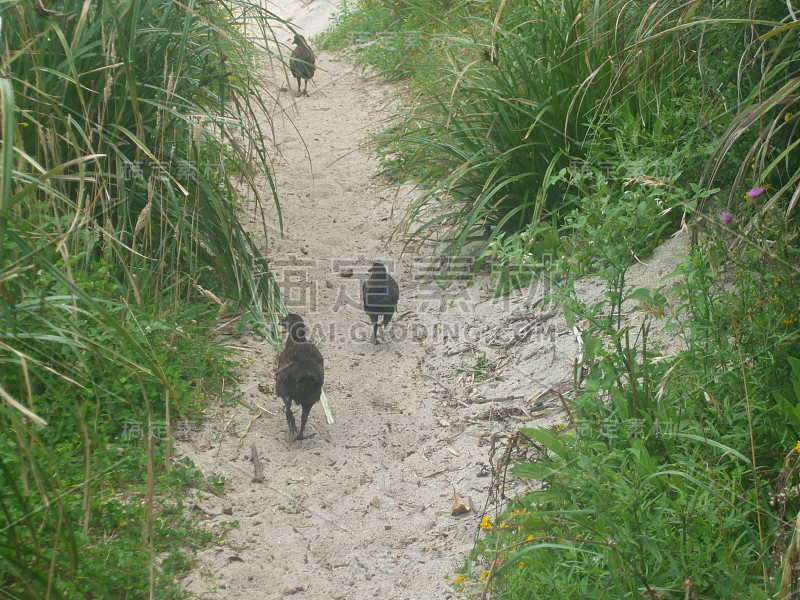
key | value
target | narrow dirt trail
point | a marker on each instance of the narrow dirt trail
(362, 509)
(358, 510)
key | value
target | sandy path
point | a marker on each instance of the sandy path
(352, 512)
(362, 509)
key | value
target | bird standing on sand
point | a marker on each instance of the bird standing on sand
(380, 294)
(300, 374)
(301, 63)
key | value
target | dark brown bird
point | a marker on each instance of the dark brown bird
(380, 294)
(300, 374)
(301, 63)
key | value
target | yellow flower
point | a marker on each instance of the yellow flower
(530, 537)
(464, 30)
(486, 523)
(25, 124)
(787, 116)
(485, 574)
(381, 48)
(459, 579)
(797, 446)
(522, 565)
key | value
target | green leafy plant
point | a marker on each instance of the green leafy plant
(788, 399)
(677, 470)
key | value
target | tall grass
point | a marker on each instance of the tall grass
(506, 95)
(531, 93)
(128, 131)
(161, 97)
(764, 134)
(501, 118)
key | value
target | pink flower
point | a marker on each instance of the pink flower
(756, 191)
(726, 217)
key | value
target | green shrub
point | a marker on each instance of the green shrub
(677, 470)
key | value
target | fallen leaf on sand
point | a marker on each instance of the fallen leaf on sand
(294, 590)
(460, 506)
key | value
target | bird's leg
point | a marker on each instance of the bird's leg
(375, 332)
(290, 418)
(298, 86)
(303, 419)
(305, 88)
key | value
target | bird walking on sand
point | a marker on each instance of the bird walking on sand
(380, 294)
(301, 63)
(300, 374)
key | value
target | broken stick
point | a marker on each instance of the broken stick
(258, 477)
(327, 409)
